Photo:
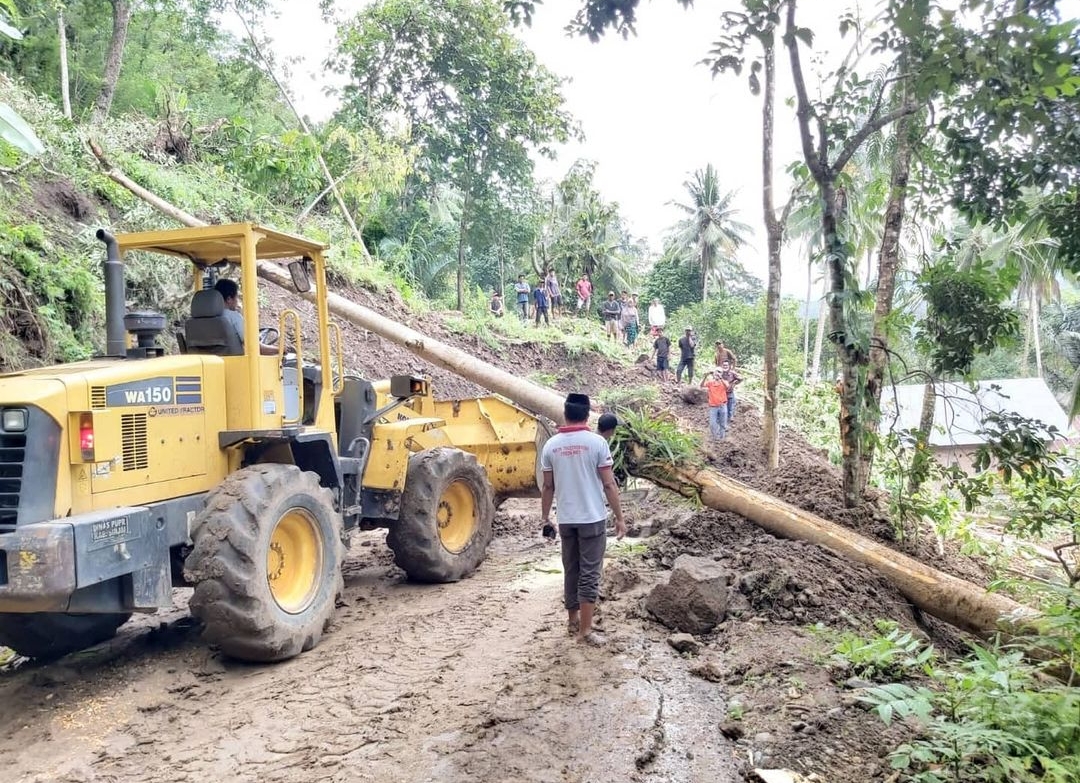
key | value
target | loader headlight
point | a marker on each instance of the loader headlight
(13, 420)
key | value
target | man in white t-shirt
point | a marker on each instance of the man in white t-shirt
(578, 476)
(657, 317)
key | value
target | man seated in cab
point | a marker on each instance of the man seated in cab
(230, 292)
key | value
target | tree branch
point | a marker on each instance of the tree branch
(867, 130)
(803, 110)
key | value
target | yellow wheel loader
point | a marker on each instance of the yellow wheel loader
(232, 469)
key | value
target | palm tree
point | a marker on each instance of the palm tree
(709, 234)
(1028, 247)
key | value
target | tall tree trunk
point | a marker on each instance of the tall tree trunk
(65, 79)
(114, 58)
(770, 436)
(1035, 315)
(1025, 353)
(819, 337)
(806, 318)
(502, 272)
(462, 226)
(888, 263)
(920, 460)
(851, 357)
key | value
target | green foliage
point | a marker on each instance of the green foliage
(709, 237)
(664, 443)
(991, 718)
(65, 290)
(177, 62)
(674, 283)
(891, 653)
(966, 313)
(579, 232)
(476, 99)
(741, 325)
(907, 462)
(635, 397)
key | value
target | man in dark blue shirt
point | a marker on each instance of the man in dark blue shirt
(540, 303)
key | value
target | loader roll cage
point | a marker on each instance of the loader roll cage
(261, 409)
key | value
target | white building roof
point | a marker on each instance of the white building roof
(959, 413)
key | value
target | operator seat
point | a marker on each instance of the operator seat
(208, 330)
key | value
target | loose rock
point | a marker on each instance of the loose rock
(708, 669)
(684, 643)
(695, 597)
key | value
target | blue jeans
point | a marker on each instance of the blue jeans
(718, 421)
(730, 406)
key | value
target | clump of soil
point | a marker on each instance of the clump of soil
(60, 197)
(780, 579)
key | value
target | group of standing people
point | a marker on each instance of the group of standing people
(545, 300)
(622, 318)
(720, 385)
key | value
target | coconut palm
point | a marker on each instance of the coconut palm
(709, 235)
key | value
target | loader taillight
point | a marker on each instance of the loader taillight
(86, 437)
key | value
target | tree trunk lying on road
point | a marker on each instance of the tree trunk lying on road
(949, 598)
(946, 597)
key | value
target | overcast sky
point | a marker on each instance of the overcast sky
(650, 113)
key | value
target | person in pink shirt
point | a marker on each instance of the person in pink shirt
(584, 294)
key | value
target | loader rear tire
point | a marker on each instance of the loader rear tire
(48, 636)
(266, 563)
(445, 524)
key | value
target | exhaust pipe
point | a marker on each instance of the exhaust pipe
(115, 333)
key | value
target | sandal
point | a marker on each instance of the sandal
(593, 639)
(573, 627)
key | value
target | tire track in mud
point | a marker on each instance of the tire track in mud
(473, 681)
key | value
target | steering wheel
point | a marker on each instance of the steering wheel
(268, 335)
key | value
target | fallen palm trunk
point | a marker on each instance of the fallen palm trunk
(946, 597)
(949, 598)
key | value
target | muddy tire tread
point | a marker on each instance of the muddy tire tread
(414, 537)
(227, 565)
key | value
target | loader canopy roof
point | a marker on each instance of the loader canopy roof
(214, 244)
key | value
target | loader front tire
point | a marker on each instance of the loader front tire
(445, 524)
(47, 636)
(266, 563)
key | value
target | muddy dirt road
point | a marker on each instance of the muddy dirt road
(473, 681)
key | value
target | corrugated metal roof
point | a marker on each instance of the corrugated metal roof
(959, 412)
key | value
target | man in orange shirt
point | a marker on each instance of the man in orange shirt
(718, 389)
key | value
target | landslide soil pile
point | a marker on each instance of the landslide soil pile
(805, 477)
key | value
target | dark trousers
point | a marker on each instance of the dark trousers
(542, 311)
(524, 307)
(688, 364)
(582, 559)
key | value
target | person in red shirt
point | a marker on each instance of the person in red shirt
(718, 389)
